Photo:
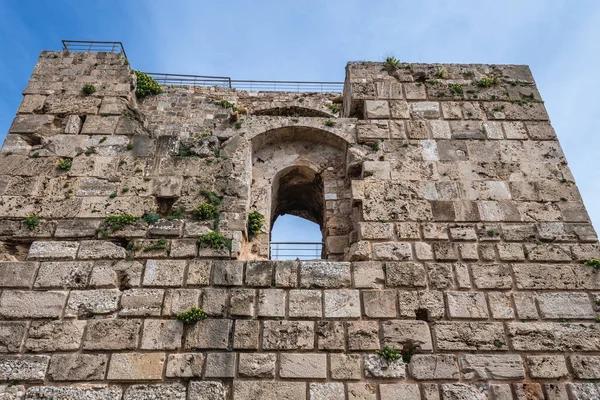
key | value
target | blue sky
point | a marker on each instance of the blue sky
(313, 40)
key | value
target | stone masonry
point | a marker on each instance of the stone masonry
(453, 228)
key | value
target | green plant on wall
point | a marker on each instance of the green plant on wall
(65, 164)
(206, 211)
(116, 222)
(146, 85)
(88, 89)
(191, 316)
(256, 221)
(214, 240)
(389, 353)
(32, 221)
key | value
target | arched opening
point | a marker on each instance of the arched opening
(300, 172)
(294, 237)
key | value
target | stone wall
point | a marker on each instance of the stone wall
(454, 231)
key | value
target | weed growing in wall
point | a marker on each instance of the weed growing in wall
(160, 244)
(487, 81)
(177, 214)
(32, 221)
(151, 218)
(456, 90)
(391, 63)
(226, 104)
(65, 164)
(256, 221)
(214, 240)
(88, 89)
(334, 108)
(440, 73)
(330, 123)
(146, 85)
(212, 197)
(206, 211)
(191, 316)
(593, 262)
(389, 353)
(116, 222)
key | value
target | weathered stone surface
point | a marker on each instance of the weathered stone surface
(302, 365)
(470, 305)
(565, 306)
(142, 302)
(136, 366)
(323, 274)
(23, 368)
(100, 249)
(345, 366)
(11, 336)
(86, 303)
(161, 334)
(164, 273)
(342, 303)
(379, 303)
(17, 274)
(78, 367)
(460, 391)
(185, 365)
(470, 336)
(245, 335)
(326, 391)
(407, 334)
(207, 390)
(257, 365)
(266, 390)
(87, 392)
(67, 275)
(547, 366)
(271, 302)
(54, 335)
(220, 365)
(430, 367)
(330, 335)
(550, 336)
(584, 391)
(288, 335)
(362, 391)
(305, 303)
(112, 334)
(210, 334)
(52, 250)
(491, 367)
(378, 367)
(174, 391)
(584, 367)
(405, 274)
(199, 272)
(228, 273)
(428, 304)
(408, 391)
(259, 273)
(241, 302)
(23, 304)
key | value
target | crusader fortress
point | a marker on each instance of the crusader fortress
(457, 261)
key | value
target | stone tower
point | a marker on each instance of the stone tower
(457, 258)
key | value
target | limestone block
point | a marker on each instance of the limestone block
(76, 228)
(362, 391)
(305, 303)
(584, 367)
(198, 272)
(554, 336)
(547, 366)
(73, 125)
(491, 367)
(100, 249)
(372, 131)
(378, 367)
(324, 274)
(440, 275)
(136, 366)
(214, 301)
(491, 276)
(256, 365)
(430, 367)
(11, 336)
(271, 302)
(164, 273)
(162, 334)
(31, 104)
(12, 392)
(112, 334)
(407, 274)
(228, 273)
(407, 334)
(50, 336)
(29, 124)
(565, 306)
(376, 169)
(61, 146)
(67, 275)
(183, 248)
(72, 105)
(241, 302)
(555, 276)
(470, 336)
(95, 392)
(525, 306)
(408, 391)
(460, 391)
(174, 391)
(142, 302)
(398, 110)
(259, 273)
(288, 335)
(330, 335)
(17, 274)
(52, 250)
(394, 251)
(428, 110)
(584, 391)
(414, 91)
(342, 303)
(427, 304)
(220, 365)
(86, 303)
(14, 144)
(97, 125)
(210, 334)
(369, 275)
(345, 366)
(266, 390)
(23, 368)
(379, 303)
(185, 365)
(376, 109)
(303, 365)
(245, 335)
(470, 305)
(500, 305)
(77, 367)
(25, 304)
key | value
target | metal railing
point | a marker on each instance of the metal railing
(250, 85)
(87, 46)
(296, 250)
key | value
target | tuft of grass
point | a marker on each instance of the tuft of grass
(456, 90)
(32, 221)
(226, 104)
(487, 81)
(160, 244)
(88, 89)
(334, 108)
(389, 353)
(214, 240)
(116, 222)
(151, 218)
(65, 164)
(212, 197)
(330, 123)
(191, 316)
(206, 211)
(391, 63)
(238, 125)
(440, 73)
(177, 214)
